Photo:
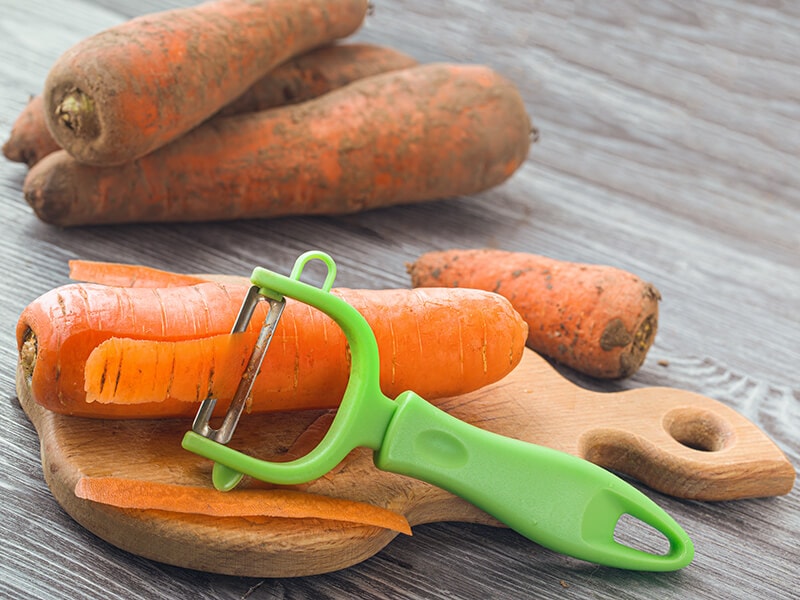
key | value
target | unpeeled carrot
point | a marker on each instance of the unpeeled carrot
(316, 73)
(421, 133)
(597, 319)
(296, 80)
(132, 88)
(150, 495)
(30, 140)
(437, 342)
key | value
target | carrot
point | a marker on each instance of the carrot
(597, 319)
(132, 88)
(116, 274)
(298, 79)
(149, 495)
(415, 134)
(438, 342)
(316, 73)
(124, 275)
(30, 140)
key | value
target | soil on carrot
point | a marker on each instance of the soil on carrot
(27, 354)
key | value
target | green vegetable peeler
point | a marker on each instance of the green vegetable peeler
(565, 503)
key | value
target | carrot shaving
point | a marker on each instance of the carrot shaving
(122, 275)
(148, 495)
(123, 370)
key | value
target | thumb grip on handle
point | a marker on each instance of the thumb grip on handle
(560, 501)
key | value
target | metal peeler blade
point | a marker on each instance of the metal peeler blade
(224, 433)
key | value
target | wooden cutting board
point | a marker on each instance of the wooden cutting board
(677, 442)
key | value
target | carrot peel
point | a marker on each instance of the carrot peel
(122, 275)
(130, 371)
(127, 493)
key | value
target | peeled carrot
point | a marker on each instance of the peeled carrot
(125, 275)
(30, 140)
(122, 275)
(150, 495)
(132, 88)
(298, 79)
(130, 371)
(597, 319)
(415, 134)
(437, 342)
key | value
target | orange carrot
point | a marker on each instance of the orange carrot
(150, 495)
(316, 73)
(30, 140)
(125, 275)
(132, 88)
(438, 342)
(599, 320)
(130, 371)
(416, 134)
(298, 79)
(120, 275)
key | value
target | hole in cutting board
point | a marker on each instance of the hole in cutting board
(699, 429)
(637, 534)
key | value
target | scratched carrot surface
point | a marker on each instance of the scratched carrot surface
(438, 342)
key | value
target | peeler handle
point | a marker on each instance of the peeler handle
(555, 499)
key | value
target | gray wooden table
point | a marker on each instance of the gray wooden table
(670, 146)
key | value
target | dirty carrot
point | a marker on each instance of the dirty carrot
(438, 342)
(150, 495)
(316, 73)
(597, 319)
(30, 140)
(296, 80)
(421, 133)
(132, 88)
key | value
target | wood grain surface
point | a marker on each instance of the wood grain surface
(670, 145)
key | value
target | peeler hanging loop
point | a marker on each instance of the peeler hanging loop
(307, 257)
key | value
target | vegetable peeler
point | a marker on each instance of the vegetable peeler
(558, 500)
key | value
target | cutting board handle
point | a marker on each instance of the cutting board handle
(675, 439)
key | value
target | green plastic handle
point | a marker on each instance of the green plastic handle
(560, 501)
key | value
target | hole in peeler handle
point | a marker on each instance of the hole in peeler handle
(625, 528)
(635, 533)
